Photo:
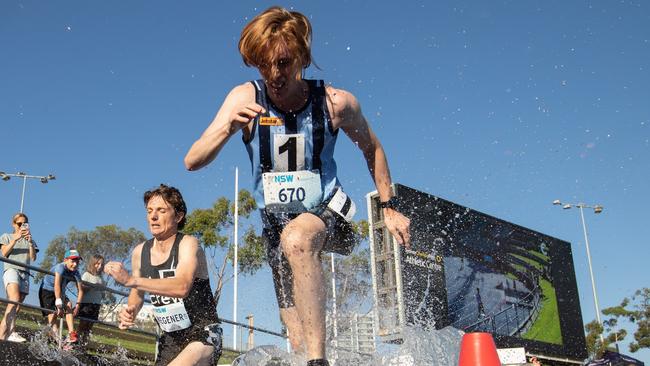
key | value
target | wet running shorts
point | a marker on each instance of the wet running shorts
(341, 239)
(171, 344)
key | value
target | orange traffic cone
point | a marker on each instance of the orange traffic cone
(478, 349)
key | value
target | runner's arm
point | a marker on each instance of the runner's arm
(178, 286)
(136, 297)
(237, 111)
(355, 126)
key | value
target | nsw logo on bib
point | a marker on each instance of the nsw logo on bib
(292, 192)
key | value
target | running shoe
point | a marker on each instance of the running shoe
(72, 337)
(15, 337)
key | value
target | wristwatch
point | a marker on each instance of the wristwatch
(391, 203)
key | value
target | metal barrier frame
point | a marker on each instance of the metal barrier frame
(124, 294)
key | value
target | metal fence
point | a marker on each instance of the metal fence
(111, 325)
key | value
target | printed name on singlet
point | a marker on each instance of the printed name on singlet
(171, 318)
(158, 300)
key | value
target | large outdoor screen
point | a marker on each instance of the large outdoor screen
(499, 277)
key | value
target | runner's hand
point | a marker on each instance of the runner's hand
(117, 271)
(127, 317)
(244, 114)
(398, 225)
(75, 311)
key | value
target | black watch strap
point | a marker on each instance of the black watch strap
(391, 203)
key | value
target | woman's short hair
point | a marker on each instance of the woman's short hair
(16, 216)
(90, 266)
(276, 26)
(172, 196)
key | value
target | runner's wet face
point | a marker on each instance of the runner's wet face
(282, 74)
(162, 217)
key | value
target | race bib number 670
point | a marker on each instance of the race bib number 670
(292, 192)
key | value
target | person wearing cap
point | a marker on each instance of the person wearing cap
(52, 293)
(21, 247)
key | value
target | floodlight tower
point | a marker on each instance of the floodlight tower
(43, 178)
(597, 209)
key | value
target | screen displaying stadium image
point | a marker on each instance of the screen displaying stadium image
(479, 273)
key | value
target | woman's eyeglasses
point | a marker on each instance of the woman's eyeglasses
(19, 224)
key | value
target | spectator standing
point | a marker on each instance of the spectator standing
(92, 298)
(21, 247)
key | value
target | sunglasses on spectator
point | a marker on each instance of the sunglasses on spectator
(19, 224)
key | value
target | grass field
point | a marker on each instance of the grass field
(547, 326)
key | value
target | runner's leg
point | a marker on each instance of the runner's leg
(291, 320)
(196, 353)
(302, 240)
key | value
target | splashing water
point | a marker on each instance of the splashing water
(43, 347)
(420, 347)
(268, 356)
(119, 357)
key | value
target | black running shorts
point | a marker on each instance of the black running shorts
(171, 344)
(340, 239)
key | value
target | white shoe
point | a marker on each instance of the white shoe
(15, 337)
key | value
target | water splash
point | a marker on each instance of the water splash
(112, 356)
(43, 347)
(420, 347)
(426, 347)
(268, 355)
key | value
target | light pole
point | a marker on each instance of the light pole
(597, 209)
(44, 179)
(235, 263)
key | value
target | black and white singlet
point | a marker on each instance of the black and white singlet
(173, 314)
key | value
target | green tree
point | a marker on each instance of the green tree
(636, 310)
(595, 347)
(110, 241)
(213, 227)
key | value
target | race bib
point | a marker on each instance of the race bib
(288, 152)
(292, 192)
(172, 317)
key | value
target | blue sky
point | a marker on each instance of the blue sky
(498, 106)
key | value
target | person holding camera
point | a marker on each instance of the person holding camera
(18, 246)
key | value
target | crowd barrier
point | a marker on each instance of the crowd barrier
(124, 295)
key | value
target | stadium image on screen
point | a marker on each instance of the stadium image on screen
(476, 273)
